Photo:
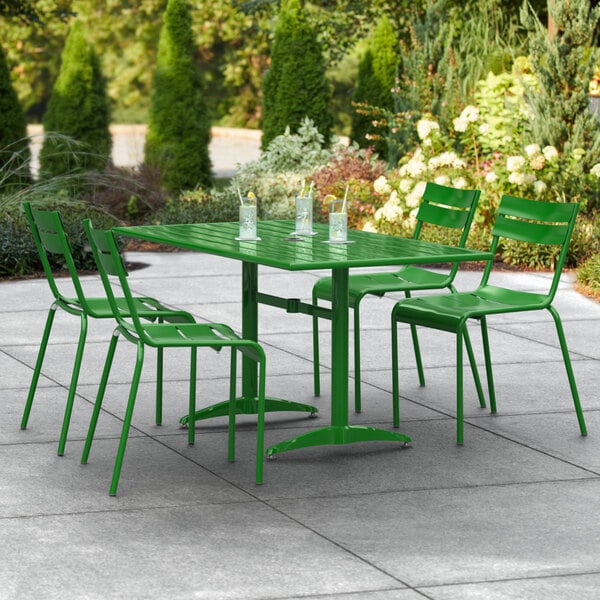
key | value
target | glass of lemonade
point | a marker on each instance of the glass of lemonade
(338, 221)
(304, 215)
(248, 218)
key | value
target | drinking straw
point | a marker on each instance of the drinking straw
(345, 197)
(310, 188)
(302, 188)
(240, 195)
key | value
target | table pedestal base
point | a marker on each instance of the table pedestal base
(249, 406)
(337, 434)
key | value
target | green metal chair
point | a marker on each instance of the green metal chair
(442, 207)
(525, 221)
(160, 336)
(50, 238)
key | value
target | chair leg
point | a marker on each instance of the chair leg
(73, 385)
(127, 420)
(357, 386)
(569, 369)
(38, 365)
(99, 397)
(474, 368)
(395, 384)
(260, 429)
(159, 386)
(488, 364)
(232, 395)
(459, 387)
(316, 358)
(192, 398)
(416, 349)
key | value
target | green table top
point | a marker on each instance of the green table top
(275, 248)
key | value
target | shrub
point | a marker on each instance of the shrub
(295, 85)
(179, 128)
(199, 206)
(79, 110)
(14, 146)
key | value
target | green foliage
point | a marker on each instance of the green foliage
(14, 146)
(79, 109)
(564, 64)
(295, 86)
(18, 254)
(277, 176)
(199, 206)
(376, 78)
(179, 128)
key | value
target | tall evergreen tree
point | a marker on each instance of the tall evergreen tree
(295, 86)
(564, 63)
(179, 127)
(78, 110)
(376, 78)
(14, 146)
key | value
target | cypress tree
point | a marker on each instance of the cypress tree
(564, 63)
(295, 86)
(14, 145)
(376, 78)
(78, 109)
(179, 127)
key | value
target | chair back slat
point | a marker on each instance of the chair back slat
(447, 207)
(443, 216)
(526, 231)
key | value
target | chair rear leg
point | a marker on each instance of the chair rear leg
(192, 397)
(232, 407)
(569, 369)
(357, 386)
(488, 364)
(127, 420)
(159, 386)
(474, 368)
(260, 429)
(73, 385)
(316, 358)
(99, 397)
(38, 365)
(395, 384)
(459, 387)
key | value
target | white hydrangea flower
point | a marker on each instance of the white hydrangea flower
(537, 162)
(393, 199)
(378, 214)
(415, 168)
(532, 150)
(448, 159)
(413, 199)
(381, 186)
(434, 163)
(425, 127)
(539, 187)
(405, 185)
(460, 124)
(370, 226)
(391, 211)
(515, 163)
(550, 153)
(491, 177)
(470, 113)
(460, 183)
(459, 163)
(529, 179)
(517, 178)
(595, 170)
(442, 180)
(484, 128)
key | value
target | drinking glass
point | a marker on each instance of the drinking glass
(338, 221)
(247, 219)
(304, 215)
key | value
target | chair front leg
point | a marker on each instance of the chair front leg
(159, 385)
(395, 384)
(192, 396)
(260, 430)
(474, 368)
(127, 420)
(488, 363)
(232, 407)
(38, 365)
(357, 382)
(569, 369)
(73, 385)
(459, 386)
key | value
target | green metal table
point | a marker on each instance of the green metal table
(277, 248)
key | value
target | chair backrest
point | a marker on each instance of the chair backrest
(110, 264)
(50, 237)
(447, 207)
(535, 222)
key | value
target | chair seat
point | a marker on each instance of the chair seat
(146, 307)
(187, 334)
(448, 311)
(409, 278)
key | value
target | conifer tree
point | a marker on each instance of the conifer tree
(376, 78)
(78, 110)
(14, 146)
(295, 86)
(564, 63)
(179, 127)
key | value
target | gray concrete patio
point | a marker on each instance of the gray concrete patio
(511, 514)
